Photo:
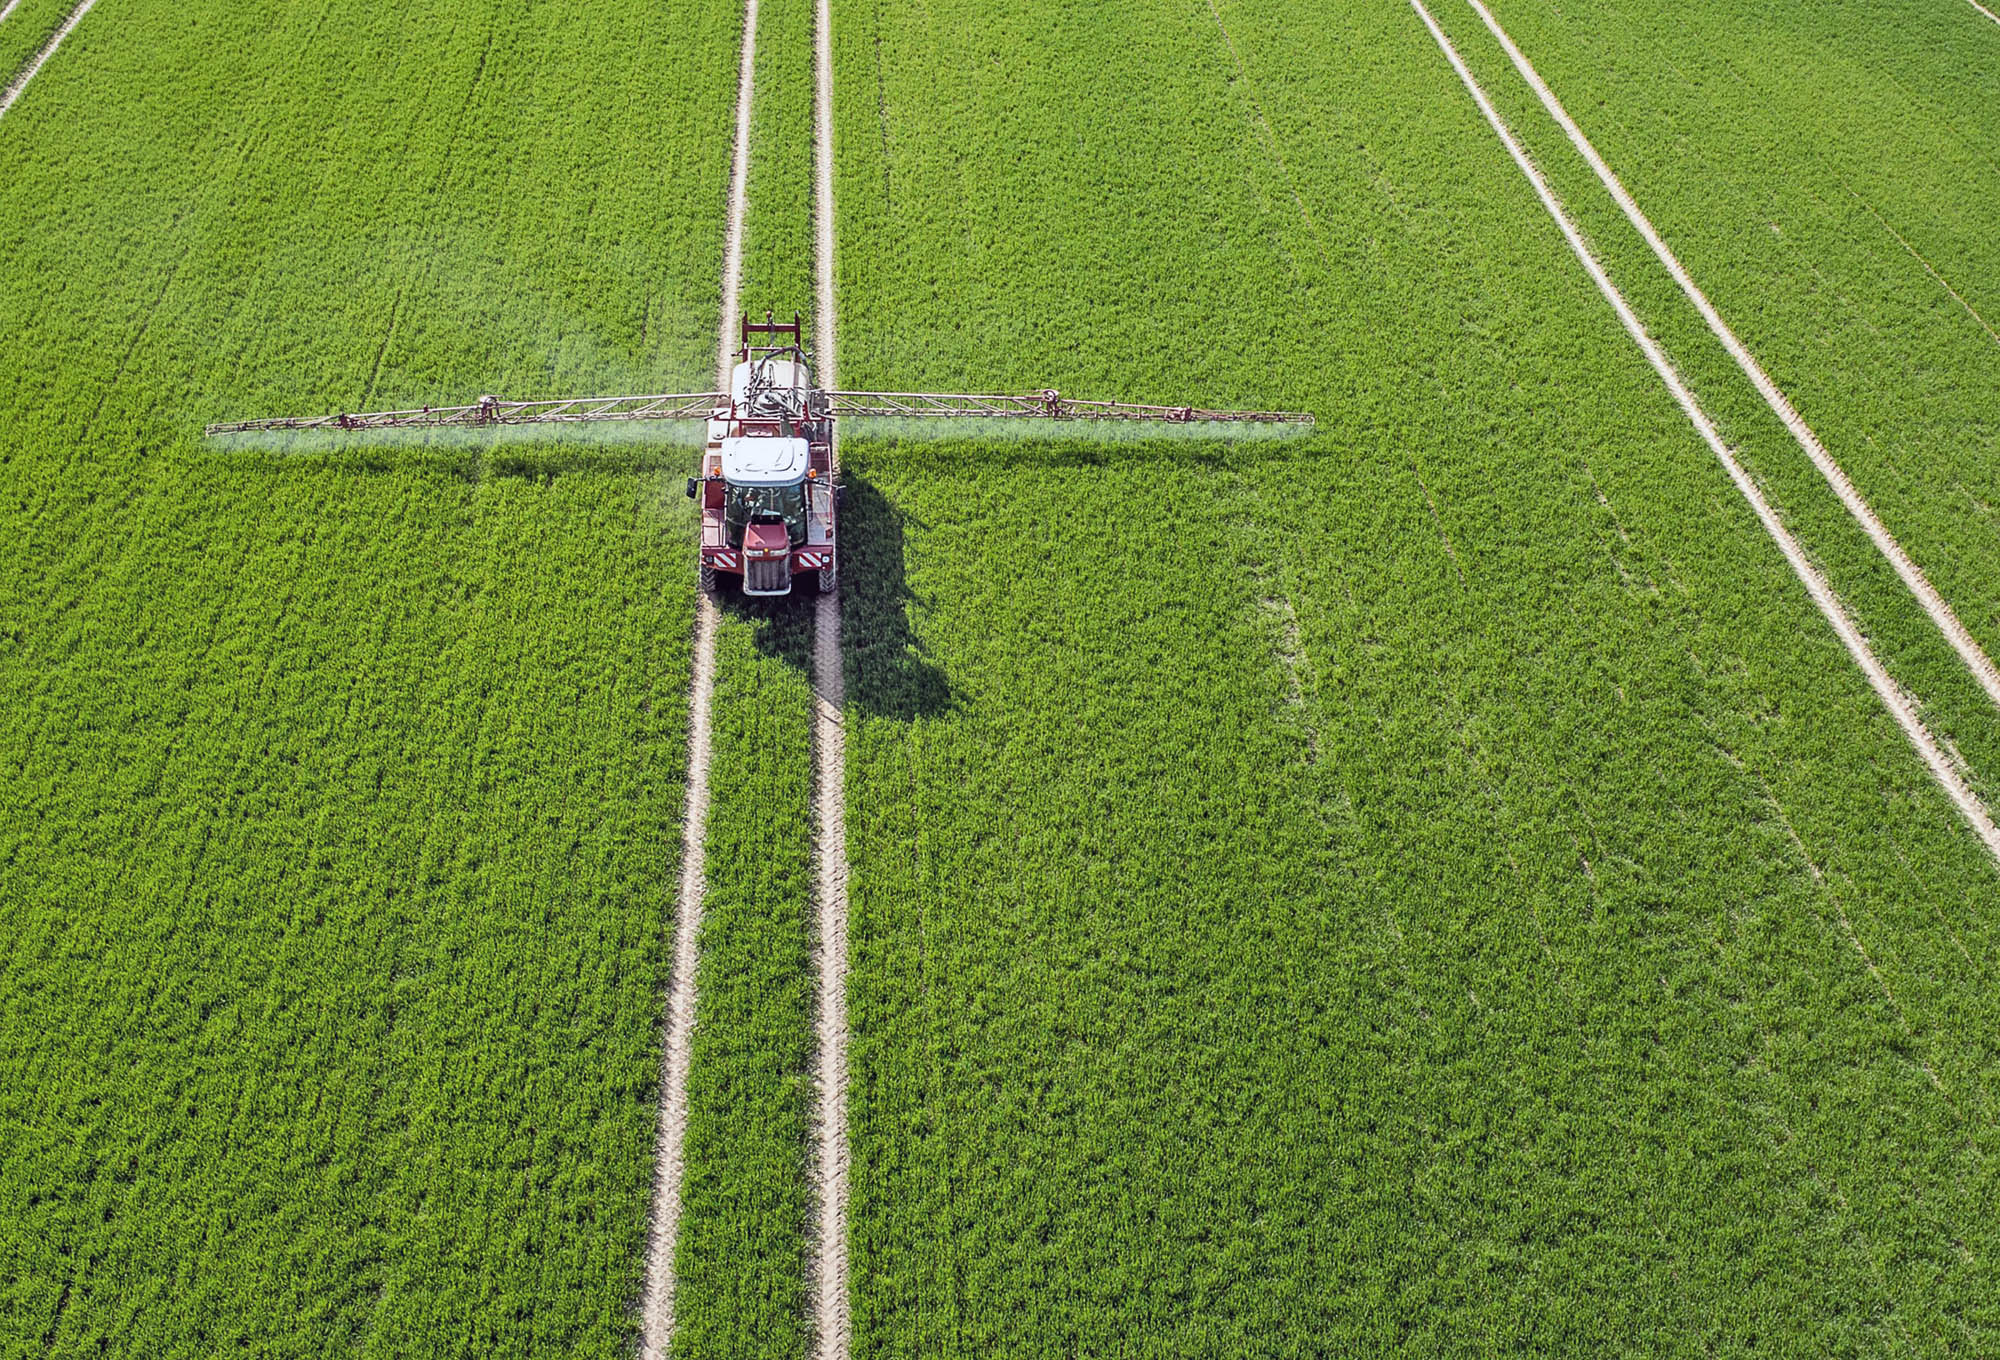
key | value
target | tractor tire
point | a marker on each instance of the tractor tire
(829, 580)
(709, 584)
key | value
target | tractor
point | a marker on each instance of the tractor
(766, 487)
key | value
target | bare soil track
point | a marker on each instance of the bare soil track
(1942, 767)
(677, 1048)
(657, 1317)
(1941, 614)
(829, 1152)
(20, 83)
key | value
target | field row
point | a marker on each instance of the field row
(742, 1263)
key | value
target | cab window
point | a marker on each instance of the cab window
(746, 505)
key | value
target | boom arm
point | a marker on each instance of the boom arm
(1047, 404)
(496, 411)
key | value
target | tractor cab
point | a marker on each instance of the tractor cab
(764, 507)
(764, 482)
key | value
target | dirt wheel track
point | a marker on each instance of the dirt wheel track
(831, 1328)
(20, 82)
(670, 1142)
(1944, 769)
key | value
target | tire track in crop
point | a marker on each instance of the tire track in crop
(1941, 613)
(1944, 769)
(1272, 148)
(1918, 256)
(677, 1048)
(8, 9)
(13, 91)
(831, 1328)
(1983, 10)
(111, 388)
(739, 199)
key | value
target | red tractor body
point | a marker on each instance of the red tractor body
(768, 502)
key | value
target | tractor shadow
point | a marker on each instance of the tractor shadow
(887, 674)
(782, 628)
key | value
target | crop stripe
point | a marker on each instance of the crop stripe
(831, 1321)
(677, 1048)
(1941, 614)
(13, 91)
(1899, 705)
(739, 204)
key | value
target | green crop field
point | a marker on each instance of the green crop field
(1432, 887)
(1432, 883)
(339, 793)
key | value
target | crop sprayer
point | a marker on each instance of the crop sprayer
(766, 486)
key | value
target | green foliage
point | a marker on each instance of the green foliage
(1825, 184)
(741, 1265)
(778, 227)
(1439, 887)
(1434, 886)
(334, 851)
(26, 31)
(340, 790)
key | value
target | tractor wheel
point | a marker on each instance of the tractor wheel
(708, 581)
(829, 580)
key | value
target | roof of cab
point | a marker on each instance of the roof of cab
(763, 460)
